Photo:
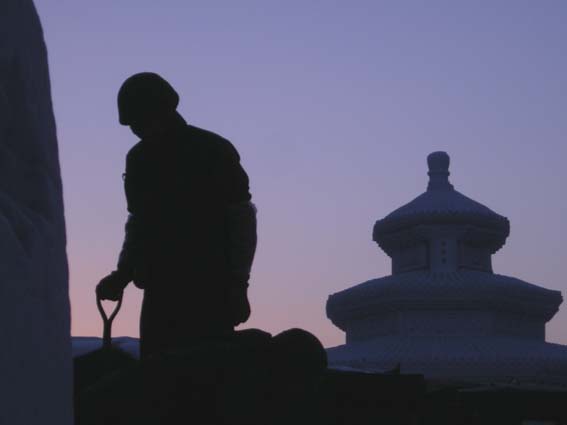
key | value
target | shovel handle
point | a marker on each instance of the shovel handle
(107, 321)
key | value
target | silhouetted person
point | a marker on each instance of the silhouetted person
(190, 236)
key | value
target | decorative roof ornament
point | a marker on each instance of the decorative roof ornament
(438, 163)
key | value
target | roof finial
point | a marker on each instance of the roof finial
(438, 163)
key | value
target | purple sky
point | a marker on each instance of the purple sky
(333, 107)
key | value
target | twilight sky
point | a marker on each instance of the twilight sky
(334, 106)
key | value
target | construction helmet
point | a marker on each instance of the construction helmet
(143, 95)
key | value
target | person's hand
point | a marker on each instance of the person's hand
(142, 276)
(238, 301)
(111, 287)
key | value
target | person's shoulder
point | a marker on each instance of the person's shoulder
(213, 141)
(204, 134)
(134, 151)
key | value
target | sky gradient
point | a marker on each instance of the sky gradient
(333, 106)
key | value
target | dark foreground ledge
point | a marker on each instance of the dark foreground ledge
(225, 385)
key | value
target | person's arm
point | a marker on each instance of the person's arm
(242, 239)
(241, 216)
(125, 266)
(241, 233)
(112, 286)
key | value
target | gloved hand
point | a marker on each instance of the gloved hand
(238, 302)
(112, 286)
(142, 276)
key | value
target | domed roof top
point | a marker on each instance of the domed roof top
(441, 204)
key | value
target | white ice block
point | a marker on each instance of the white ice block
(35, 350)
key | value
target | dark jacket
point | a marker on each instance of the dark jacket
(192, 229)
(180, 191)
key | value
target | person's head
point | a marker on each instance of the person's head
(146, 103)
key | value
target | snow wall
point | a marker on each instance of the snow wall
(35, 350)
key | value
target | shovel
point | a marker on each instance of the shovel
(91, 367)
(106, 380)
(107, 322)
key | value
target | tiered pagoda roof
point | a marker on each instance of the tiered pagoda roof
(444, 297)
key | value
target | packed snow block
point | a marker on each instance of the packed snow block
(93, 366)
(251, 378)
(35, 359)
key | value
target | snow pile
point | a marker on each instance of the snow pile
(35, 360)
(86, 344)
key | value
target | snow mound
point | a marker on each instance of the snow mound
(85, 344)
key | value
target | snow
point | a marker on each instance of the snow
(86, 344)
(36, 383)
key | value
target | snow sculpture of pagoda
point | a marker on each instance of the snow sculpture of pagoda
(443, 312)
